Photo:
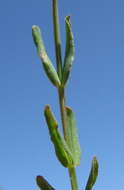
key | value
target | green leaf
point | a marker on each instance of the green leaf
(93, 174)
(69, 52)
(72, 139)
(62, 150)
(47, 65)
(43, 183)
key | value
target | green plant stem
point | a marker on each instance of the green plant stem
(57, 38)
(72, 172)
(73, 178)
(62, 111)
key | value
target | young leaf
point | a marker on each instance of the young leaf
(61, 148)
(69, 52)
(72, 139)
(43, 183)
(93, 174)
(47, 65)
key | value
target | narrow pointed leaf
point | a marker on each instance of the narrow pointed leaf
(43, 183)
(47, 65)
(72, 139)
(61, 148)
(69, 52)
(93, 174)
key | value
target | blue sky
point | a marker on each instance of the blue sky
(95, 92)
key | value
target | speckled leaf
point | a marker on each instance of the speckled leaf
(61, 148)
(93, 174)
(69, 52)
(48, 67)
(43, 183)
(72, 139)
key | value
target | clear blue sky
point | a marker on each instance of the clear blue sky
(95, 92)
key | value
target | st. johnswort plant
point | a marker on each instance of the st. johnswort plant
(67, 148)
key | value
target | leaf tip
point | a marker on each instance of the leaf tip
(47, 107)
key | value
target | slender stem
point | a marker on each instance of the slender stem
(57, 38)
(63, 111)
(72, 172)
(73, 178)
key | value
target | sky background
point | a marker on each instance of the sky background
(95, 92)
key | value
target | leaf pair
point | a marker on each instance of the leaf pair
(68, 153)
(44, 185)
(47, 65)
